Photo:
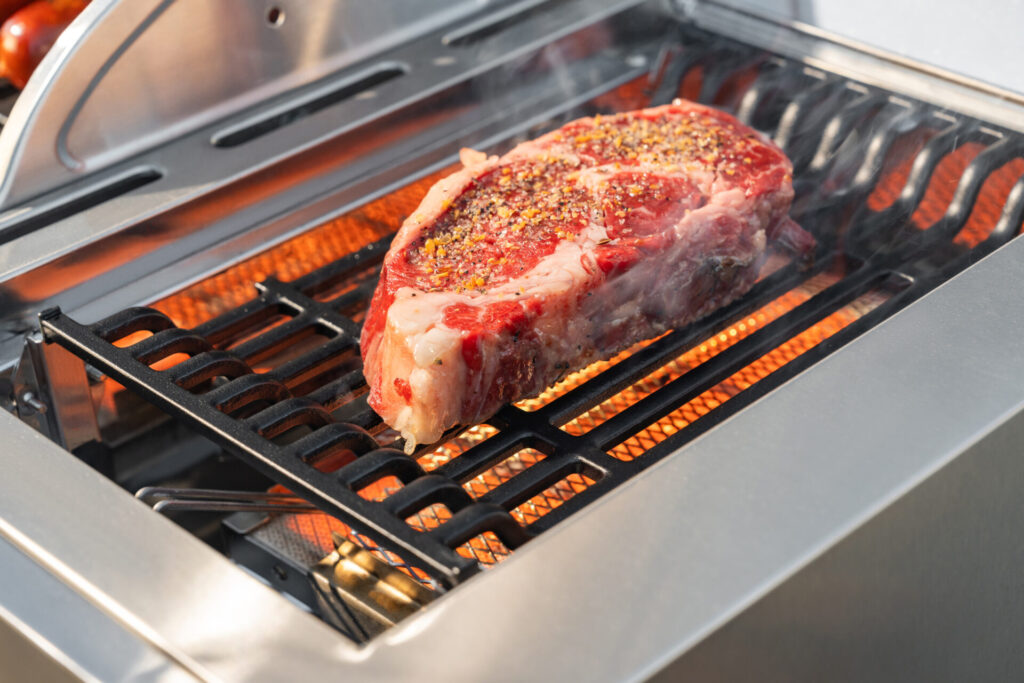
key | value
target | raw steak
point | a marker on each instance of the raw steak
(517, 270)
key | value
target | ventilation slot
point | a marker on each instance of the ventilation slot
(115, 188)
(495, 23)
(302, 107)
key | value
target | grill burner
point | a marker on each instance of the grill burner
(842, 137)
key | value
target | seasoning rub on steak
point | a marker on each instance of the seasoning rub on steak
(517, 270)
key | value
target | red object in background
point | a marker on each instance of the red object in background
(30, 32)
(9, 7)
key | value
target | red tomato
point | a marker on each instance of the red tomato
(29, 33)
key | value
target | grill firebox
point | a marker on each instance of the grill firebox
(872, 175)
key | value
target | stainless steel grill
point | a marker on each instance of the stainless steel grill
(904, 187)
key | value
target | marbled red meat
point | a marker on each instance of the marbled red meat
(571, 247)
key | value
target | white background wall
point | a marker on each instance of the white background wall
(983, 39)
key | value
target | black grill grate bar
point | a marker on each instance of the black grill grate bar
(916, 249)
(358, 296)
(167, 343)
(274, 340)
(814, 118)
(787, 371)
(842, 124)
(1009, 220)
(290, 295)
(425, 491)
(775, 379)
(820, 101)
(679, 62)
(245, 390)
(232, 324)
(705, 376)
(378, 464)
(130, 321)
(969, 187)
(484, 455)
(564, 455)
(477, 519)
(323, 490)
(925, 164)
(725, 66)
(337, 438)
(339, 391)
(357, 412)
(513, 492)
(251, 314)
(205, 367)
(890, 225)
(325, 277)
(286, 414)
(314, 359)
(644, 361)
(558, 444)
(763, 91)
(895, 123)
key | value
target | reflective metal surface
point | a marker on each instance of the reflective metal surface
(48, 632)
(927, 591)
(141, 574)
(51, 392)
(165, 499)
(366, 595)
(164, 68)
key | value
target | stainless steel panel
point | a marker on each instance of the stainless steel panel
(136, 569)
(52, 393)
(163, 68)
(623, 590)
(49, 632)
(930, 590)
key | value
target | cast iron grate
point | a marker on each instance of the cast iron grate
(839, 134)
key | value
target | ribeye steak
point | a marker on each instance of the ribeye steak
(516, 270)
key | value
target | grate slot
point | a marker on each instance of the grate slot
(303, 106)
(534, 480)
(340, 390)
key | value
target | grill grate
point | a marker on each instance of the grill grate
(841, 136)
